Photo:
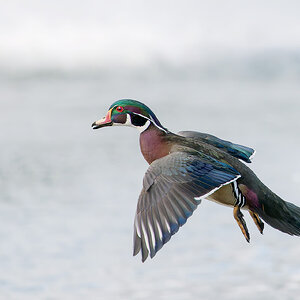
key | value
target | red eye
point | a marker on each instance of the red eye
(119, 108)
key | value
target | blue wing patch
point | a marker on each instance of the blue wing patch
(173, 186)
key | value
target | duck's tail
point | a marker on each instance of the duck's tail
(280, 214)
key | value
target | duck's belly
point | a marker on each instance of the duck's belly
(224, 196)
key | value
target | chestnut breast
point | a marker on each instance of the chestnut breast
(153, 144)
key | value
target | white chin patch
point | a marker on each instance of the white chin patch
(128, 123)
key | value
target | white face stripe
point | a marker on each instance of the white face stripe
(129, 124)
(128, 121)
(144, 127)
(140, 128)
(152, 121)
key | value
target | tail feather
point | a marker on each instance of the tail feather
(282, 215)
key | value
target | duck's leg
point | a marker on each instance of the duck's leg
(239, 217)
(258, 222)
(233, 195)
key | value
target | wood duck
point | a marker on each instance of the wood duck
(186, 168)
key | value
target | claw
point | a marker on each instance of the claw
(258, 222)
(241, 222)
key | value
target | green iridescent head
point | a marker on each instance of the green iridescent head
(129, 112)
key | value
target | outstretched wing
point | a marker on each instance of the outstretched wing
(238, 151)
(172, 188)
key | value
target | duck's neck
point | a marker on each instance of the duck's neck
(153, 144)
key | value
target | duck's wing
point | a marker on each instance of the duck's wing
(238, 151)
(172, 188)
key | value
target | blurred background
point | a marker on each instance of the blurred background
(68, 194)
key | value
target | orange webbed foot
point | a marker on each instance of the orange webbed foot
(258, 222)
(239, 217)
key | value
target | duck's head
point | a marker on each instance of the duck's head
(127, 112)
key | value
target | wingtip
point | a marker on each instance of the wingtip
(252, 155)
(144, 257)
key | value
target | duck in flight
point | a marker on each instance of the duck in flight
(185, 168)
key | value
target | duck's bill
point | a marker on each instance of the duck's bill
(101, 123)
(106, 121)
